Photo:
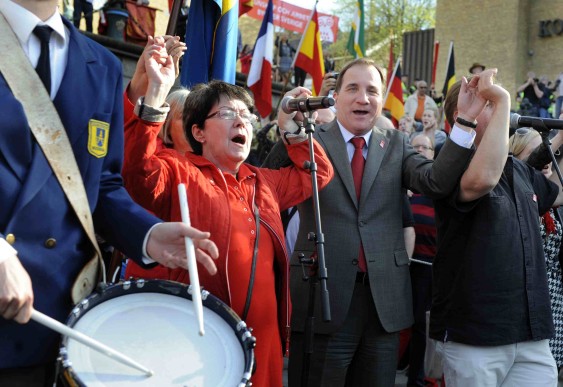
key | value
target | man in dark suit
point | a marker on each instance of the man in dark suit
(42, 245)
(367, 263)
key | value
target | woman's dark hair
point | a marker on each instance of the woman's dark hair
(201, 100)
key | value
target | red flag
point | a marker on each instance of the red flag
(436, 50)
(244, 6)
(310, 53)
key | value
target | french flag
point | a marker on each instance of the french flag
(260, 75)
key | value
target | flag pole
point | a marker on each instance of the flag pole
(174, 13)
(391, 81)
(391, 58)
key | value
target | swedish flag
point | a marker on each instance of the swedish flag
(211, 39)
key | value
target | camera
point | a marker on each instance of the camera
(526, 108)
(536, 80)
(334, 75)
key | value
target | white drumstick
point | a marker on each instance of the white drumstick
(192, 266)
(88, 341)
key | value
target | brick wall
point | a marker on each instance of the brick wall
(502, 34)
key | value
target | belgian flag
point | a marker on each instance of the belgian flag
(450, 80)
(450, 73)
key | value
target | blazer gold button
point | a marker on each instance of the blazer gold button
(11, 239)
(50, 243)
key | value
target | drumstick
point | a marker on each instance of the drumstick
(88, 341)
(192, 266)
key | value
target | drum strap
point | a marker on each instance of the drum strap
(51, 136)
(253, 267)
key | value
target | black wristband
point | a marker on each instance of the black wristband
(463, 122)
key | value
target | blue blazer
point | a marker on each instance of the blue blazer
(34, 208)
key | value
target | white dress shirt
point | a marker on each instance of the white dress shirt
(23, 22)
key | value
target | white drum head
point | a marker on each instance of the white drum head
(160, 332)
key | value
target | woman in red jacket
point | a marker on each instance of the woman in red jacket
(236, 202)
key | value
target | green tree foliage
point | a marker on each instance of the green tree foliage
(385, 21)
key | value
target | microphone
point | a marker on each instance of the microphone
(291, 104)
(518, 121)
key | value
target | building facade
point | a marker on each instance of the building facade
(515, 36)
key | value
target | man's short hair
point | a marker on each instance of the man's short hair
(359, 62)
(450, 103)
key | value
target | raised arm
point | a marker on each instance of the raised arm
(145, 173)
(484, 99)
(140, 80)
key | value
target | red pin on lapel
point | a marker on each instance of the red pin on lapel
(382, 143)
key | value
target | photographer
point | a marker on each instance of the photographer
(264, 143)
(545, 100)
(533, 90)
(327, 87)
(558, 89)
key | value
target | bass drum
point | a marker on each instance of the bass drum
(153, 323)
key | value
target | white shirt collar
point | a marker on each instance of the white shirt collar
(23, 21)
(348, 136)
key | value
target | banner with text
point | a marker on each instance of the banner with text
(294, 18)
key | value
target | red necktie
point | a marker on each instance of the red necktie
(358, 163)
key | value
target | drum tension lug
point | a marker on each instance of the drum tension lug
(101, 287)
(250, 342)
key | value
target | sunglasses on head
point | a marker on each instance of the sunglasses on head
(523, 131)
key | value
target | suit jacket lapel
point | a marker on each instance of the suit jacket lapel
(77, 84)
(16, 146)
(336, 149)
(378, 145)
(78, 87)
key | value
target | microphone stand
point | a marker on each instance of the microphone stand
(540, 126)
(321, 272)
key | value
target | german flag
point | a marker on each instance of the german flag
(394, 102)
(211, 38)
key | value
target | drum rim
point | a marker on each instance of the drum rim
(174, 288)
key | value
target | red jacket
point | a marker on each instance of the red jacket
(152, 176)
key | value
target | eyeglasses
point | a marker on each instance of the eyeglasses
(423, 87)
(231, 114)
(422, 147)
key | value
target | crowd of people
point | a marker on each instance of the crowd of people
(462, 225)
